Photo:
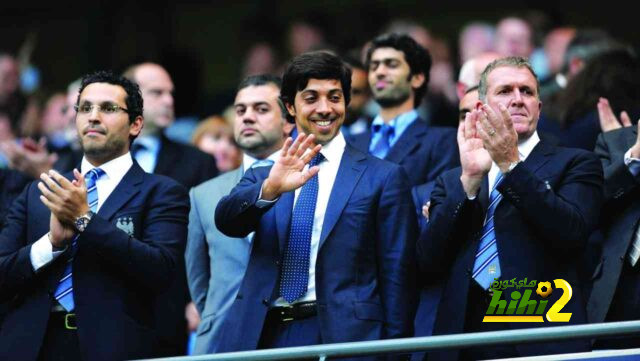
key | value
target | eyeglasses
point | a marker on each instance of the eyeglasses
(104, 108)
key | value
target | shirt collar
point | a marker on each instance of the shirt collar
(247, 160)
(401, 121)
(526, 146)
(115, 169)
(333, 150)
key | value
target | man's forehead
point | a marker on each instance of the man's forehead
(327, 85)
(267, 93)
(511, 75)
(153, 76)
(387, 53)
(101, 92)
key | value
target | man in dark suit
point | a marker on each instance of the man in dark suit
(616, 289)
(84, 255)
(518, 207)
(158, 154)
(398, 78)
(338, 266)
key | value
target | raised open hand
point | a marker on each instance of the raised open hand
(288, 171)
(474, 158)
(608, 120)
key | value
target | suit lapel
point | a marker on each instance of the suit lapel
(127, 188)
(409, 140)
(349, 173)
(284, 207)
(538, 156)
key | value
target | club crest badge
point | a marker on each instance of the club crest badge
(125, 224)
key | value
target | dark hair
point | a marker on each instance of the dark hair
(264, 79)
(314, 65)
(417, 57)
(133, 100)
(614, 74)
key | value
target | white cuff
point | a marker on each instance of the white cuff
(42, 252)
(632, 163)
(262, 203)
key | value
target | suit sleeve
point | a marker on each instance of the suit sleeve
(397, 231)
(16, 270)
(452, 218)
(237, 214)
(197, 256)
(568, 212)
(619, 183)
(445, 155)
(152, 260)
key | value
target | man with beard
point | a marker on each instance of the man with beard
(84, 255)
(216, 263)
(334, 234)
(398, 77)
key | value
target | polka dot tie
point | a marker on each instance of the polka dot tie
(294, 277)
(64, 290)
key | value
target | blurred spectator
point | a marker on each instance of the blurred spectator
(13, 103)
(614, 75)
(470, 71)
(304, 36)
(475, 38)
(215, 136)
(260, 59)
(467, 102)
(514, 37)
(356, 120)
(417, 32)
(555, 47)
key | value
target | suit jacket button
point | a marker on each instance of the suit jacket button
(265, 302)
(277, 263)
(468, 271)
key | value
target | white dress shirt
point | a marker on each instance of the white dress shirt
(332, 153)
(42, 251)
(524, 149)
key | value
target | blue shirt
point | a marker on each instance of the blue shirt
(147, 154)
(399, 125)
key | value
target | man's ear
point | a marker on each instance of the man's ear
(478, 105)
(417, 80)
(136, 126)
(291, 109)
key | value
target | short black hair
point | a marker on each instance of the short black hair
(314, 65)
(133, 100)
(417, 57)
(264, 79)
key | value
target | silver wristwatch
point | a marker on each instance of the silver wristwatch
(83, 221)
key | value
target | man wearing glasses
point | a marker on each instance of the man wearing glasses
(84, 254)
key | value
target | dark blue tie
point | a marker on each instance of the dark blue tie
(381, 148)
(295, 266)
(487, 265)
(64, 291)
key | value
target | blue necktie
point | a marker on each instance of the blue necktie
(383, 145)
(64, 291)
(294, 278)
(487, 264)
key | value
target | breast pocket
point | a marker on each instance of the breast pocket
(129, 222)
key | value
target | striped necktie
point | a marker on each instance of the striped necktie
(294, 278)
(64, 291)
(487, 265)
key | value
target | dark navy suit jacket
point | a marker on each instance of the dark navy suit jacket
(115, 275)
(619, 218)
(550, 205)
(365, 270)
(423, 151)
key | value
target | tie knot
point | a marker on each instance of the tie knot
(95, 174)
(316, 160)
(262, 163)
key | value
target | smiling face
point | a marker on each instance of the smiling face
(105, 136)
(516, 89)
(319, 109)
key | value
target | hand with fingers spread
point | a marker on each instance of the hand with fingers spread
(288, 172)
(29, 157)
(608, 120)
(498, 136)
(66, 199)
(474, 159)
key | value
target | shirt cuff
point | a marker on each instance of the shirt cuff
(42, 252)
(263, 203)
(632, 163)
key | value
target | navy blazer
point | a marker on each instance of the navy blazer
(619, 218)
(423, 151)
(115, 275)
(550, 205)
(365, 270)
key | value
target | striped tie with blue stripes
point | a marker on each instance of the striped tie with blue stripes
(487, 265)
(64, 291)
